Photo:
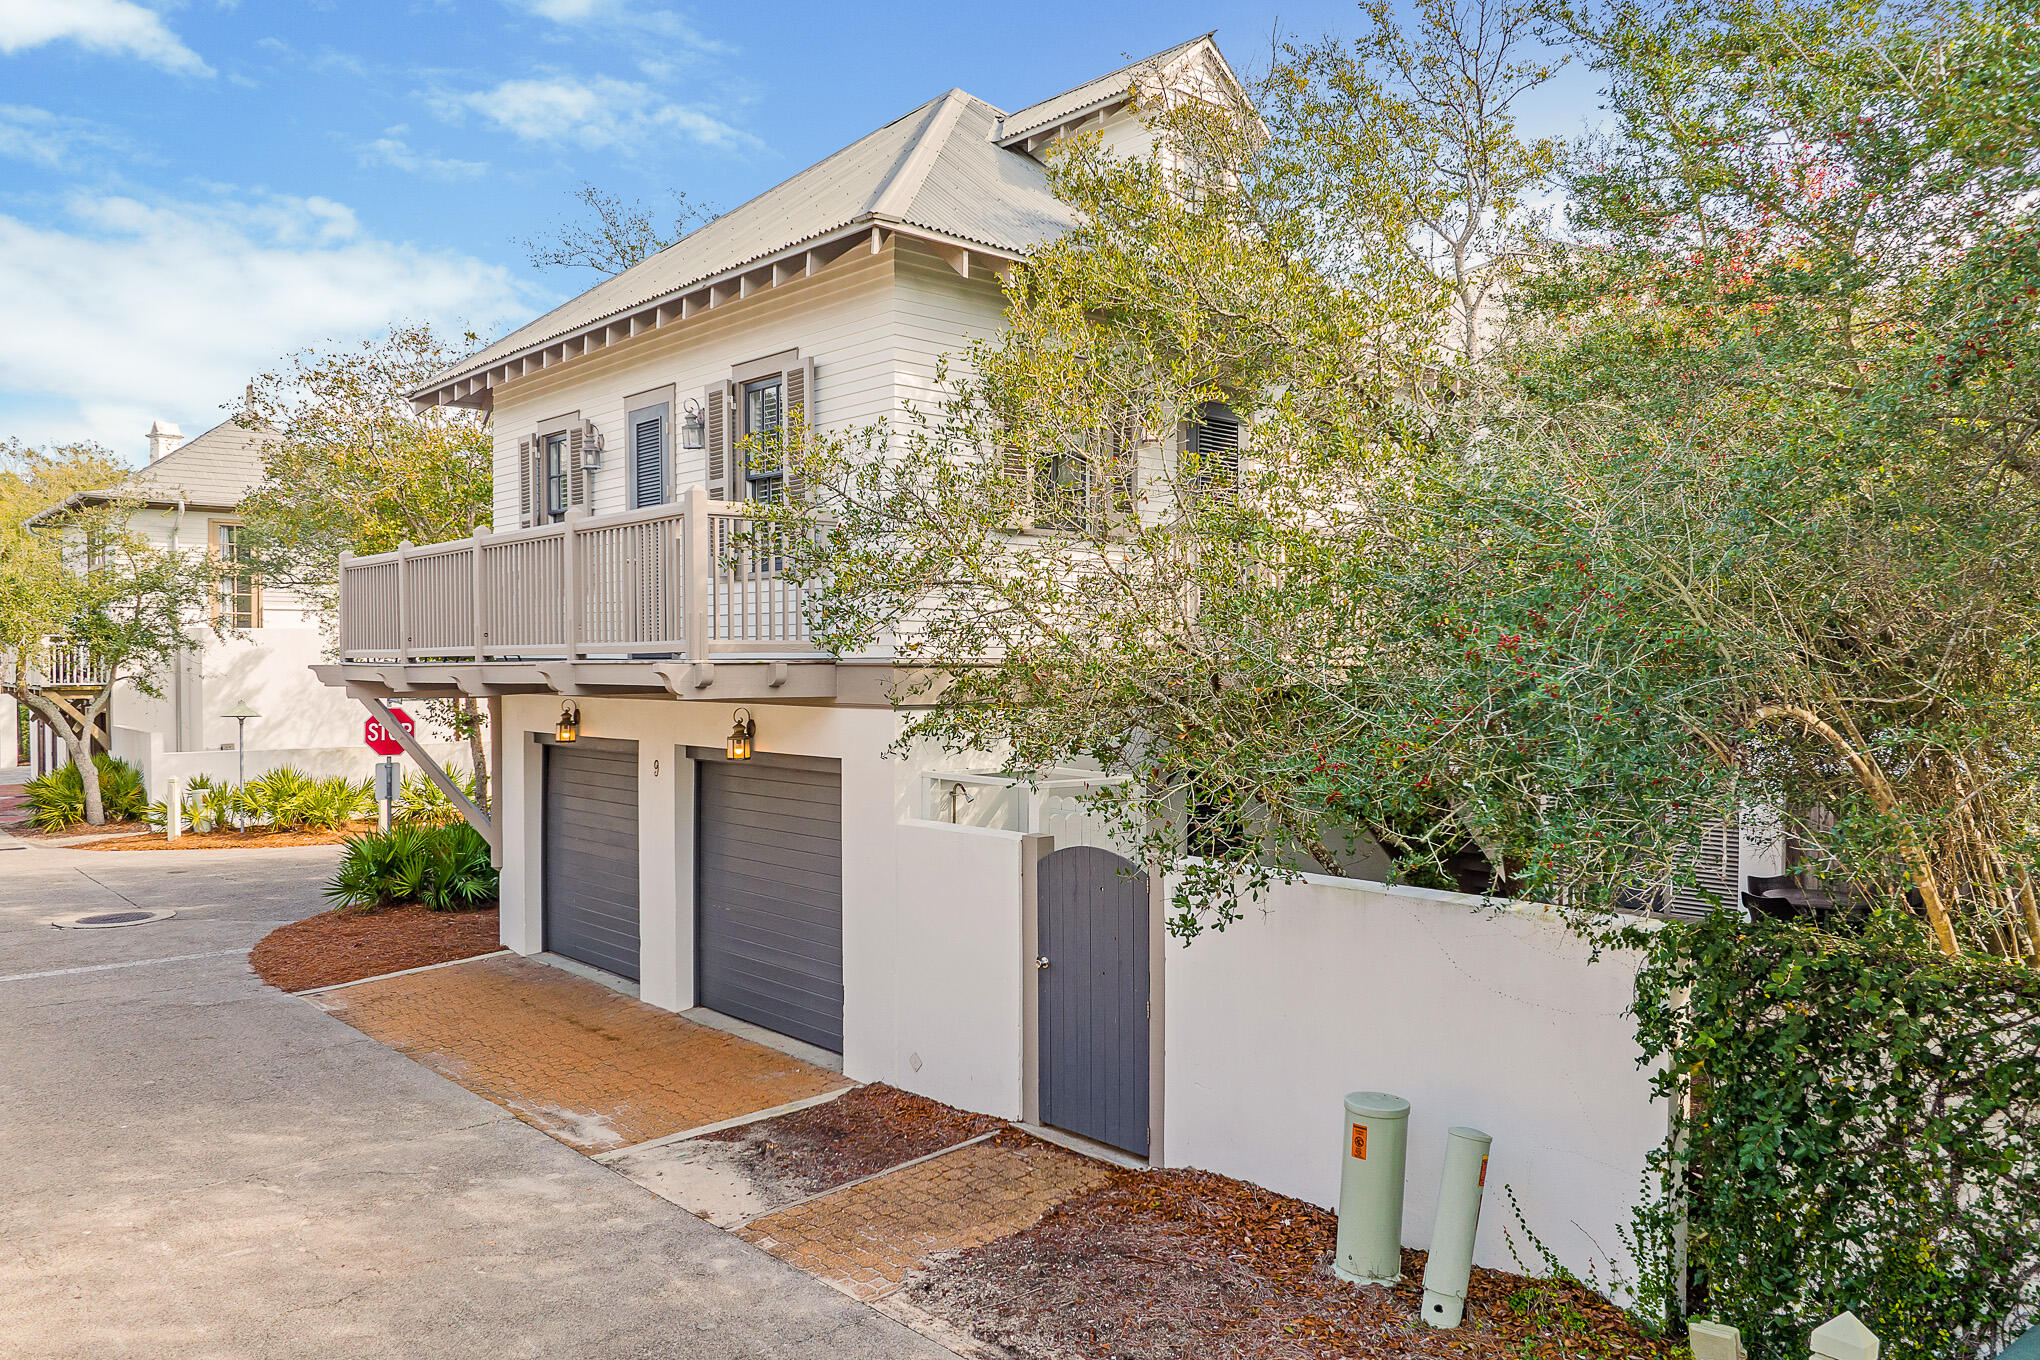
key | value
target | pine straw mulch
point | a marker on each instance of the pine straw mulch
(1187, 1265)
(863, 1131)
(255, 838)
(349, 944)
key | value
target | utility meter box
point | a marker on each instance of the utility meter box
(1371, 1188)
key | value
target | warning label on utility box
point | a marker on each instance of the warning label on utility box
(1359, 1142)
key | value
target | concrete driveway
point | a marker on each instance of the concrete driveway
(197, 1165)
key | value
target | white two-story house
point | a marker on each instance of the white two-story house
(251, 655)
(618, 642)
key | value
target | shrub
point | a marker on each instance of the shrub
(276, 796)
(444, 867)
(1864, 1131)
(57, 800)
(420, 802)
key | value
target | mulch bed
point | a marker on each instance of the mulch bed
(1187, 1265)
(350, 944)
(860, 1133)
(255, 838)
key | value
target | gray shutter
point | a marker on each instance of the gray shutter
(648, 458)
(1213, 438)
(524, 483)
(797, 389)
(718, 441)
(577, 478)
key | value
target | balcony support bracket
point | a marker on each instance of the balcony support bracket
(473, 815)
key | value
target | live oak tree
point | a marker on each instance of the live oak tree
(1736, 513)
(354, 468)
(86, 581)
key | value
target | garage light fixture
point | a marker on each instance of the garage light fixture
(738, 747)
(569, 725)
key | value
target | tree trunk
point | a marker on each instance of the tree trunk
(1874, 784)
(78, 741)
(478, 754)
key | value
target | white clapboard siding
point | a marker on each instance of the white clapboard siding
(843, 318)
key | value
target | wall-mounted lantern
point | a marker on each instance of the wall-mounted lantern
(591, 445)
(569, 726)
(693, 425)
(742, 734)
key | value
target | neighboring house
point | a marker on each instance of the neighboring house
(691, 795)
(187, 498)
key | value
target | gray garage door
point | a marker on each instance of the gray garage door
(769, 896)
(591, 854)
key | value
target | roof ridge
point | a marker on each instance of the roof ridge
(1152, 57)
(910, 172)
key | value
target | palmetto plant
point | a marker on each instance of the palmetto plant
(444, 867)
(57, 800)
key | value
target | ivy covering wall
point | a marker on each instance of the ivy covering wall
(1863, 1133)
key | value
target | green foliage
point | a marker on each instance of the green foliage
(284, 798)
(445, 867)
(57, 800)
(1864, 1132)
(420, 801)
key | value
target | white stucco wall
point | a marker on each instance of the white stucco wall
(959, 964)
(1492, 1018)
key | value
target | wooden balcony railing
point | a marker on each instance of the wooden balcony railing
(693, 580)
(68, 665)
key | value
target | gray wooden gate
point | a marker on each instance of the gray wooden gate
(590, 854)
(768, 939)
(1093, 977)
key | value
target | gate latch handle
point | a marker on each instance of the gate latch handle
(1041, 962)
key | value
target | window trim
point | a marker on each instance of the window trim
(216, 550)
(658, 400)
(560, 427)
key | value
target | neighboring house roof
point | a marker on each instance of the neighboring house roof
(213, 471)
(944, 171)
(1088, 97)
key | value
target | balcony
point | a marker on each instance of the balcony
(689, 599)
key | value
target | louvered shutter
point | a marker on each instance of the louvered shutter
(648, 458)
(1213, 443)
(524, 483)
(1020, 471)
(1717, 874)
(577, 477)
(797, 384)
(718, 441)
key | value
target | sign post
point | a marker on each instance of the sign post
(383, 743)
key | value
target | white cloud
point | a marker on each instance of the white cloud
(51, 140)
(601, 114)
(127, 308)
(619, 17)
(109, 27)
(391, 151)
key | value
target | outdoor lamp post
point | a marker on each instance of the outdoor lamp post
(240, 713)
(738, 747)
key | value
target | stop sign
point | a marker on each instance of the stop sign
(378, 737)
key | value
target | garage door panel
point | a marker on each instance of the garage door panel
(590, 857)
(769, 941)
(794, 868)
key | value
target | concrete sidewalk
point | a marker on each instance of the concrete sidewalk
(201, 1166)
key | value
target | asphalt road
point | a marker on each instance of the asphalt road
(193, 1164)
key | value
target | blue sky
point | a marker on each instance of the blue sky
(189, 190)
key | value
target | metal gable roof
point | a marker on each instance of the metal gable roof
(936, 167)
(1106, 88)
(945, 168)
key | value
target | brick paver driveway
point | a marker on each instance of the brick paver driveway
(593, 1068)
(867, 1238)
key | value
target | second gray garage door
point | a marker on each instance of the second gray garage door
(590, 854)
(769, 896)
